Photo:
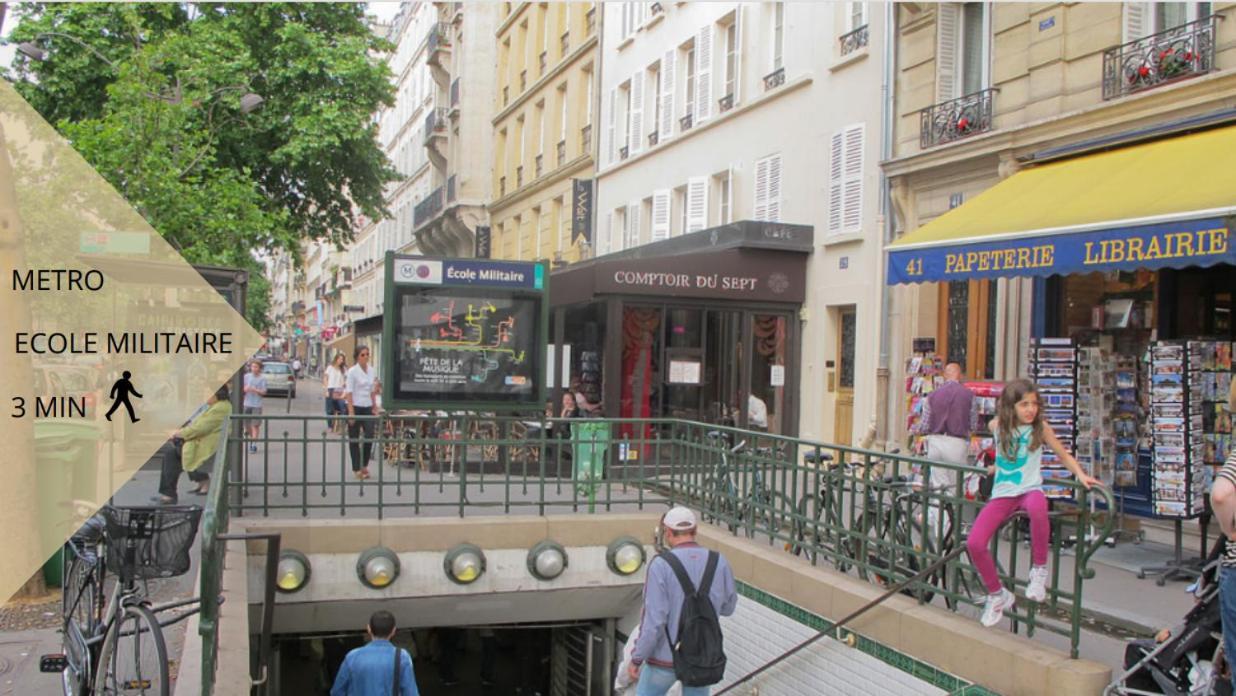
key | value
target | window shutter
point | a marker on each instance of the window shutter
(760, 210)
(835, 173)
(633, 215)
(637, 112)
(703, 75)
(773, 211)
(697, 203)
(666, 130)
(737, 60)
(603, 239)
(948, 25)
(609, 132)
(852, 187)
(1137, 20)
(660, 215)
(729, 196)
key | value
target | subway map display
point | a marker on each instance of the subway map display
(459, 344)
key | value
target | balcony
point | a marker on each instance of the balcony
(853, 41)
(566, 43)
(519, 176)
(585, 138)
(450, 189)
(623, 152)
(435, 124)
(591, 21)
(686, 122)
(439, 39)
(543, 61)
(726, 103)
(774, 79)
(539, 166)
(653, 138)
(429, 206)
(655, 9)
(561, 152)
(956, 119)
(1176, 54)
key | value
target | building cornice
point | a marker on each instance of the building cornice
(516, 12)
(559, 68)
(579, 164)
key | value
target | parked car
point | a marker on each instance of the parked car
(279, 379)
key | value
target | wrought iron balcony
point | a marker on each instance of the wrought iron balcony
(585, 138)
(854, 40)
(623, 152)
(543, 61)
(653, 138)
(450, 189)
(540, 166)
(726, 103)
(429, 206)
(774, 79)
(435, 124)
(686, 122)
(561, 152)
(566, 43)
(439, 38)
(591, 21)
(655, 9)
(455, 93)
(519, 176)
(955, 119)
(1178, 53)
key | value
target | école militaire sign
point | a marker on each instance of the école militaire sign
(1166, 245)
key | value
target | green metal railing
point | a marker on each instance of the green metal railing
(857, 510)
(214, 524)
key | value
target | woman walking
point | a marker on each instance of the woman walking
(333, 381)
(359, 390)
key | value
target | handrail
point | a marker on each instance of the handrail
(834, 630)
(214, 523)
(273, 540)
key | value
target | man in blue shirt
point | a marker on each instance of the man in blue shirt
(652, 661)
(370, 670)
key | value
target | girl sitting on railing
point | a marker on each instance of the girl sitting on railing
(1020, 434)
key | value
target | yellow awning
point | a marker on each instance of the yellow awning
(1130, 207)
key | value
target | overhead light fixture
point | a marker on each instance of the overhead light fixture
(547, 560)
(625, 555)
(464, 564)
(292, 573)
(377, 567)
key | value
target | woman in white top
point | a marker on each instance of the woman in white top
(333, 382)
(359, 390)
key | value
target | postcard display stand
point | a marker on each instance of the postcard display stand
(1176, 428)
(924, 372)
(1054, 368)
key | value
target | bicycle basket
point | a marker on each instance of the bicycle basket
(150, 542)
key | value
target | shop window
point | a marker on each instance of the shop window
(967, 326)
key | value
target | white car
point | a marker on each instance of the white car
(279, 379)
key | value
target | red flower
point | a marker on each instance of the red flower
(1189, 55)
(963, 124)
(1143, 71)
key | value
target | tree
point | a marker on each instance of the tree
(158, 98)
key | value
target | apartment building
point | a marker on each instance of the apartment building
(542, 127)
(769, 114)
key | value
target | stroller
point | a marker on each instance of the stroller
(1185, 660)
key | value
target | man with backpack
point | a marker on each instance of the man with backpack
(688, 587)
(380, 668)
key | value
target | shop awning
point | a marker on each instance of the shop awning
(1164, 204)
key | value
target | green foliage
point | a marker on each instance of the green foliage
(149, 95)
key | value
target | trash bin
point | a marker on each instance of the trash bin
(590, 443)
(66, 454)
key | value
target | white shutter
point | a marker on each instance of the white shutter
(633, 220)
(852, 179)
(1138, 18)
(697, 203)
(703, 75)
(737, 59)
(603, 239)
(760, 210)
(610, 147)
(729, 196)
(666, 129)
(660, 214)
(948, 25)
(835, 169)
(637, 112)
(773, 211)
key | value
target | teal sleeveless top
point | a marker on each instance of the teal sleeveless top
(1023, 473)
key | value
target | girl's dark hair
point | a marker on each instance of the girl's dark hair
(1006, 414)
(338, 357)
(223, 393)
(356, 353)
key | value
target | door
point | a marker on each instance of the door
(843, 425)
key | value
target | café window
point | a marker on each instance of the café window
(966, 326)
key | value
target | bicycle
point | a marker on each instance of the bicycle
(118, 647)
(761, 508)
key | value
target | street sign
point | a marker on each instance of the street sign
(114, 243)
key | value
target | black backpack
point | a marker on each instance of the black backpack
(699, 659)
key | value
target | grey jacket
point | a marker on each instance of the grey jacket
(663, 601)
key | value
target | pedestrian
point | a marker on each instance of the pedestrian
(624, 685)
(946, 423)
(333, 382)
(1223, 503)
(296, 368)
(359, 391)
(193, 447)
(686, 589)
(1020, 434)
(255, 389)
(379, 668)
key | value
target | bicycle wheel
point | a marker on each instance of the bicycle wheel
(767, 512)
(806, 531)
(720, 503)
(133, 659)
(80, 594)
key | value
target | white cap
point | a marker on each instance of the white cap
(679, 518)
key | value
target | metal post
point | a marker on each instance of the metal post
(259, 676)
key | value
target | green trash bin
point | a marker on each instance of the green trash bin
(590, 444)
(66, 454)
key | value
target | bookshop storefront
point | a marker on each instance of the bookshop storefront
(1134, 282)
(702, 327)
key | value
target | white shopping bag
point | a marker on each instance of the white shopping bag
(623, 686)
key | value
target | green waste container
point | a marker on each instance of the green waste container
(590, 443)
(66, 454)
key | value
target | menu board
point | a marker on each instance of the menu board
(465, 344)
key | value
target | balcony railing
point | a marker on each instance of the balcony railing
(1178, 53)
(655, 9)
(561, 152)
(653, 138)
(774, 79)
(450, 189)
(435, 124)
(455, 93)
(585, 138)
(519, 176)
(623, 152)
(686, 122)
(430, 206)
(439, 38)
(591, 21)
(539, 166)
(543, 61)
(853, 41)
(952, 120)
(566, 43)
(726, 103)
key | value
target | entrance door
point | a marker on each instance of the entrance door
(843, 425)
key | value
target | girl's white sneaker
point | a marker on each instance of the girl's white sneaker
(1036, 591)
(996, 604)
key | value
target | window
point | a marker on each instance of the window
(845, 180)
(540, 128)
(562, 116)
(563, 223)
(856, 15)
(768, 189)
(962, 49)
(1142, 19)
(690, 80)
(655, 98)
(723, 195)
(680, 202)
(588, 97)
(778, 37)
(624, 98)
(633, 219)
(731, 59)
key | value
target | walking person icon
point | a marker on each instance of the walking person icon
(120, 392)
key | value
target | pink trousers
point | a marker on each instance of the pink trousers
(993, 514)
